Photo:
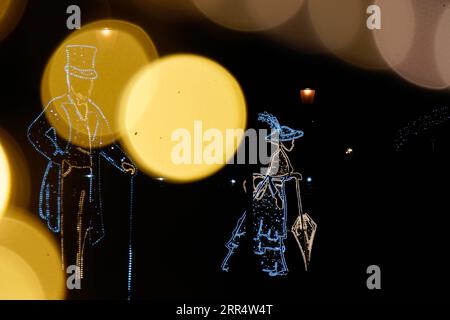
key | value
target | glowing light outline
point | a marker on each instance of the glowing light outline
(299, 228)
(111, 154)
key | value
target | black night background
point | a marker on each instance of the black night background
(377, 205)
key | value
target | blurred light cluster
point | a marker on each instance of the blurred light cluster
(414, 39)
(144, 98)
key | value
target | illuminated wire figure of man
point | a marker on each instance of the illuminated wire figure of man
(70, 195)
(269, 208)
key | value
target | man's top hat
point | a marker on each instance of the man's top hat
(81, 61)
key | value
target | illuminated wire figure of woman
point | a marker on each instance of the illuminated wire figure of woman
(269, 208)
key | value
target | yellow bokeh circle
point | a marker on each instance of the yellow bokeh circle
(113, 52)
(30, 259)
(18, 281)
(188, 95)
(5, 180)
(15, 174)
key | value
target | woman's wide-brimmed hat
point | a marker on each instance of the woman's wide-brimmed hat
(279, 133)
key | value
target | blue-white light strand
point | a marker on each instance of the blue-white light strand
(269, 209)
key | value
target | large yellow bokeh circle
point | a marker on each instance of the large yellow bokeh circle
(122, 49)
(18, 281)
(181, 92)
(15, 185)
(29, 254)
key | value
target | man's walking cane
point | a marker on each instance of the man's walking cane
(130, 241)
